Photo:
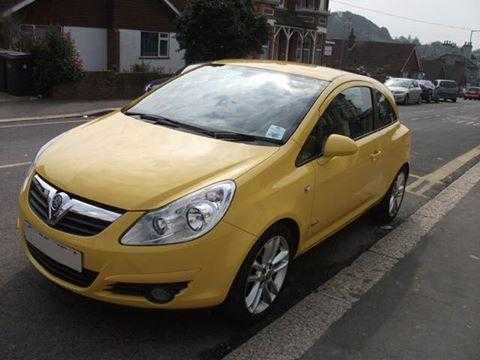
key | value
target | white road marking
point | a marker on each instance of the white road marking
(8, 166)
(44, 123)
(62, 116)
(440, 174)
(290, 336)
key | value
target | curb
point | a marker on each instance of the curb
(98, 112)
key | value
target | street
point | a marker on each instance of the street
(41, 321)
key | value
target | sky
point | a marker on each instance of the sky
(456, 13)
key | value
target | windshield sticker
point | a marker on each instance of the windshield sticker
(275, 132)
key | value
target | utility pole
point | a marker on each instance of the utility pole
(471, 35)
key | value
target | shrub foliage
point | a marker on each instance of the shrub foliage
(55, 61)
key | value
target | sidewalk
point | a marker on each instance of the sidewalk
(427, 307)
(21, 109)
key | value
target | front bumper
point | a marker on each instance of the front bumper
(207, 265)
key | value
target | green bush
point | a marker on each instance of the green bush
(55, 61)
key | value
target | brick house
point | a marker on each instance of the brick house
(109, 34)
(298, 29)
(377, 59)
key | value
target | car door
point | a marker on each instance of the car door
(343, 184)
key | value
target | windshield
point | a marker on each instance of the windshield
(235, 99)
(398, 82)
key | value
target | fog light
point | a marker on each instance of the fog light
(159, 295)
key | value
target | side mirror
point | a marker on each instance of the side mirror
(338, 145)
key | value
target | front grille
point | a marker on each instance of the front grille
(72, 223)
(83, 279)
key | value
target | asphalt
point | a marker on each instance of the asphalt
(426, 308)
(41, 321)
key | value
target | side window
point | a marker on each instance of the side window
(329, 123)
(356, 108)
(385, 115)
(349, 114)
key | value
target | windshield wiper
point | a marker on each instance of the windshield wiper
(161, 120)
(223, 135)
(232, 136)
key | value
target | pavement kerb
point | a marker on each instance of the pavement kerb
(98, 112)
(291, 335)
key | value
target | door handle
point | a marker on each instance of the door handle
(375, 155)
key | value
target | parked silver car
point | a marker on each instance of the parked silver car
(405, 91)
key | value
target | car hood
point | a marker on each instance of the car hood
(133, 165)
(397, 88)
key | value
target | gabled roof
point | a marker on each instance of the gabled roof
(393, 57)
(8, 7)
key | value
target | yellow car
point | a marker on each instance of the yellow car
(203, 191)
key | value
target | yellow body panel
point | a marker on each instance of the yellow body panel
(135, 166)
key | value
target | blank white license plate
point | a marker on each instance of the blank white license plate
(58, 252)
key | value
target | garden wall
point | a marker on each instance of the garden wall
(105, 85)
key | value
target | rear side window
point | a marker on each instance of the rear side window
(385, 115)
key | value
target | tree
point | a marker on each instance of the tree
(217, 29)
(409, 40)
(55, 60)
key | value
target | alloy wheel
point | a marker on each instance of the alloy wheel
(397, 194)
(267, 274)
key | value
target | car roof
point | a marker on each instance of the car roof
(313, 71)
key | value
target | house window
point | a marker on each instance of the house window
(305, 5)
(268, 11)
(155, 44)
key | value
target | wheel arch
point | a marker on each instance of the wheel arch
(406, 167)
(295, 231)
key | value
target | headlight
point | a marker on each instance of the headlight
(45, 147)
(31, 168)
(183, 220)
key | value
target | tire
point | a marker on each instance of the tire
(243, 303)
(454, 100)
(387, 210)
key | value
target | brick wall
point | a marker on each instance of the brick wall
(84, 13)
(150, 15)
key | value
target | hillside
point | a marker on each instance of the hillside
(365, 30)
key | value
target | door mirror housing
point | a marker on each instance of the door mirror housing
(338, 145)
